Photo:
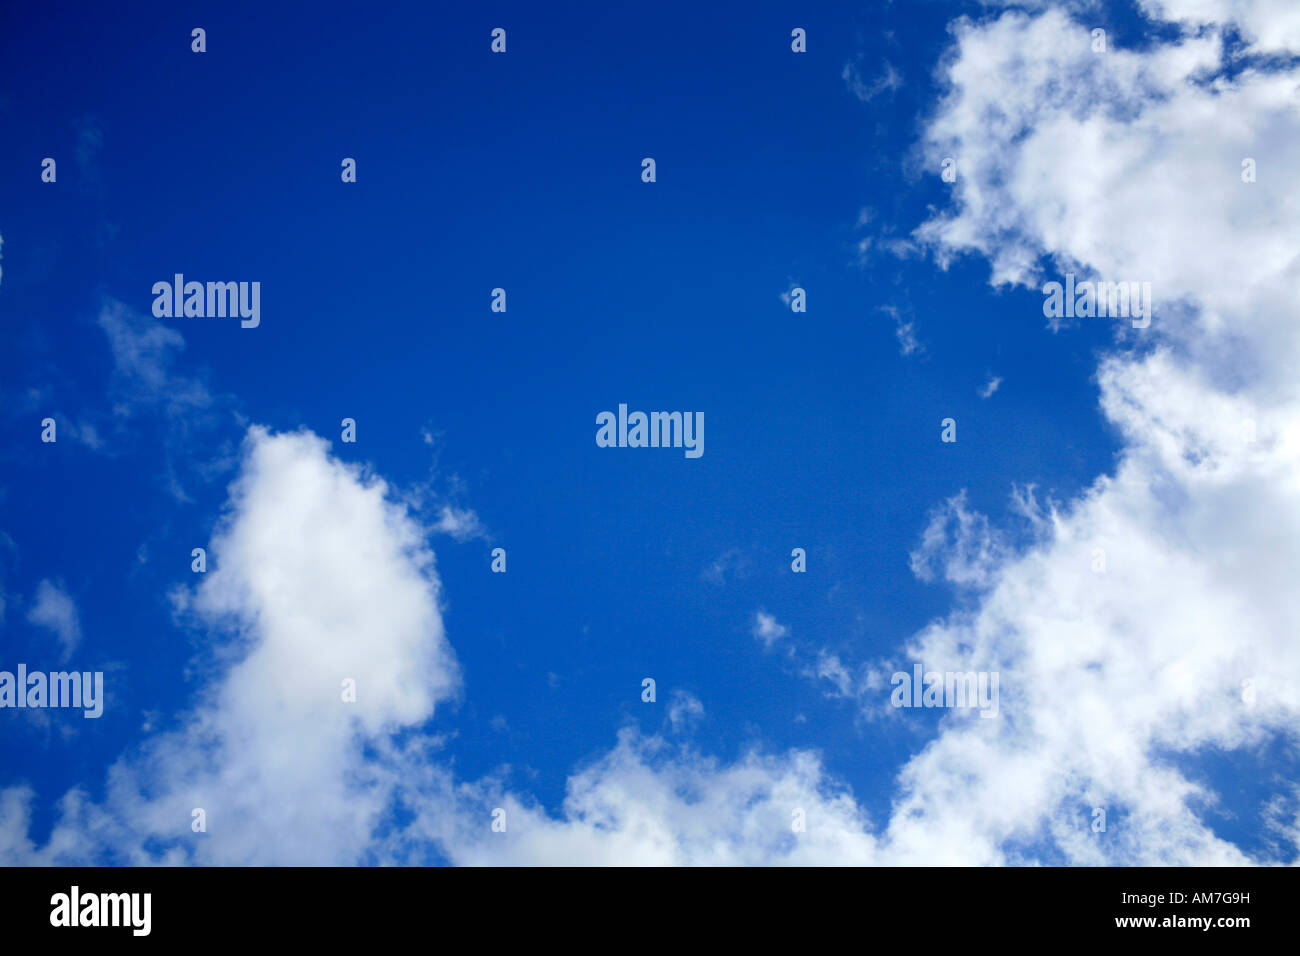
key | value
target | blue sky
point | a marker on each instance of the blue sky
(522, 171)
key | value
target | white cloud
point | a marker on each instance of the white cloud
(959, 545)
(1124, 167)
(1272, 25)
(147, 386)
(908, 344)
(1115, 163)
(649, 803)
(55, 610)
(684, 710)
(829, 667)
(990, 387)
(318, 577)
(461, 523)
(767, 629)
(144, 358)
(888, 81)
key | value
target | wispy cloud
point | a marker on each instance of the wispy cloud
(145, 376)
(732, 565)
(55, 610)
(889, 80)
(904, 331)
(684, 710)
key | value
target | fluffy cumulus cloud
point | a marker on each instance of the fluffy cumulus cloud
(319, 576)
(1148, 621)
(1272, 26)
(649, 803)
(1153, 620)
(319, 585)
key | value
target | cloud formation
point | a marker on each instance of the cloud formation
(55, 610)
(1146, 625)
(1150, 620)
(324, 602)
(768, 629)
